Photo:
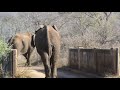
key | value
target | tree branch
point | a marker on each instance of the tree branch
(107, 15)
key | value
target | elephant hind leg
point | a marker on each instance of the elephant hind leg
(45, 60)
(53, 67)
(26, 57)
(53, 61)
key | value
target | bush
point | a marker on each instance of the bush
(4, 49)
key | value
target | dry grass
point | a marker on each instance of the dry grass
(29, 72)
(22, 73)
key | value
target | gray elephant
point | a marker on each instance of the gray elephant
(47, 42)
(24, 43)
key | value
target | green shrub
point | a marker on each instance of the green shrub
(4, 49)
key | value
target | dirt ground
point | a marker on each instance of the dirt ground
(38, 72)
(30, 72)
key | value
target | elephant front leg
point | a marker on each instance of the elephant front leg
(28, 62)
(30, 51)
(26, 57)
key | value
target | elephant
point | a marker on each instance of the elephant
(47, 42)
(24, 43)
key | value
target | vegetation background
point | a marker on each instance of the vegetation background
(86, 29)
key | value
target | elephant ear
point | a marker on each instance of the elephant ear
(54, 26)
(33, 40)
(10, 41)
(41, 26)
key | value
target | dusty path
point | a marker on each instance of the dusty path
(30, 72)
(38, 72)
(68, 74)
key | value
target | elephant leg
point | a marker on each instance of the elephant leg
(53, 68)
(45, 60)
(26, 56)
(28, 60)
(29, 55)
(53, 61)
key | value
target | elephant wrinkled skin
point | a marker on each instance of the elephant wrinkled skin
(47, 42)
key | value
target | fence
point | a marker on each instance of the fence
(98, 61)
(9, 64)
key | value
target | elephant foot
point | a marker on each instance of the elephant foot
(27, 65)
(47, 77)
(54, 77)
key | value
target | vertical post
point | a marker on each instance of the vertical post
(69, 59)
(114, 60)
(11, 63)
(95, 60)
(14, 62)
(79, 57)
(117, 62)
